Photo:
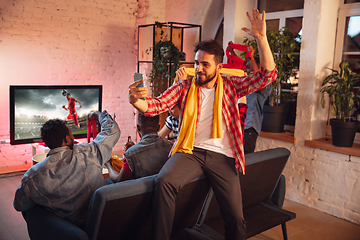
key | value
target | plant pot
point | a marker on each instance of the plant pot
(343, 133)
(291, 115)
(274, 118)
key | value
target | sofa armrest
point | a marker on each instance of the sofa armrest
(278, 195)
(44, 224)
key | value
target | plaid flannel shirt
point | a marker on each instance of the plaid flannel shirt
(234, 88)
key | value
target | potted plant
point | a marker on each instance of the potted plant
(343, 89)
(283, 43)
(166, 60)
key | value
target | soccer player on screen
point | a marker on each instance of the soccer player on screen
(71, 108)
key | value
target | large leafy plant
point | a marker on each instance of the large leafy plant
(283, 43)
(166, 60)
(343, 90)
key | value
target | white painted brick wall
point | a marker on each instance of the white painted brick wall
(320, 179)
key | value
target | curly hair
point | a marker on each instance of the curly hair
(213, 47)
(53, 132)
(148, 122)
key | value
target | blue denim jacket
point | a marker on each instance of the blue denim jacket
(255, 102)
(148, 156)
(66, 179)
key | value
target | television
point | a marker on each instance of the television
(32, 106)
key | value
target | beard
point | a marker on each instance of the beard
(71, 146)
(207, 78)
(71, 143)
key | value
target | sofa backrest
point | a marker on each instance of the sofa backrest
(123, 210)
(263, 170)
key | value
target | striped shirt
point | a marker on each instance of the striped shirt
(173, 124)
(234, 88)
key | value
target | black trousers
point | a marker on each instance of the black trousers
(250, 137)
(179, 170)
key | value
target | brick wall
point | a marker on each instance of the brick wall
(69, 42)
(320, 179)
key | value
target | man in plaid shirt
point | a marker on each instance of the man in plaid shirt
(219, 159)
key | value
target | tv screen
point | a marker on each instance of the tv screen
(32, 106)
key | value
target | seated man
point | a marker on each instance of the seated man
(146, 157)
(67, 178)
(172, 121)
(171, 124)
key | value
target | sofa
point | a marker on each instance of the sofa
(263, 192)
(123, 210)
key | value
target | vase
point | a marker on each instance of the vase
(274, 118)
(343, 133)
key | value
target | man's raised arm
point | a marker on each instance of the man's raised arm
(78, 102)
(258, 31)
(135, 95)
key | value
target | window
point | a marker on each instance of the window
(280, 5)
(351, 46)
(348, 41)
(273, 23)
(291, 19)
(348, 36)
(294, 24)
(351, 1)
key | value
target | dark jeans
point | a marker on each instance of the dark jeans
(179, 170)
(250, 137)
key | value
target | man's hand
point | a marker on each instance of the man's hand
(252, 51)
(135, 93)
(80, 105)
(257, 24)
(181, 74)
(231, 50)
(63, 106)
(92, 116)
(258, 31)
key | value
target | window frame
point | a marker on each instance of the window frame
(283, 15)
(345, 10)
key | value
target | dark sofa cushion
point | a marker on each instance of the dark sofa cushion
(123, 210)
(44, 224)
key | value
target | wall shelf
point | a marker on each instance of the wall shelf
(326, 144)
(285, 137)
(149, 35)
(322, 143)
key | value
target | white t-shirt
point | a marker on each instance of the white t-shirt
(204, 128)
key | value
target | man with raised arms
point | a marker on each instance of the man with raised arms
(210, 137)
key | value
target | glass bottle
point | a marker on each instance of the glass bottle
(129, 143)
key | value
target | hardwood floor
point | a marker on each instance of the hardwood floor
(12, 224)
